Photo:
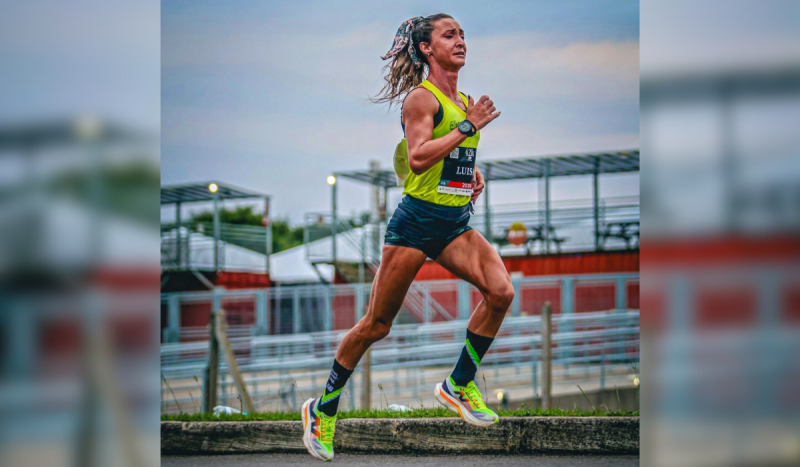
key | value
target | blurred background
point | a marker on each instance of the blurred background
(79, 181)
(720, 106)
(84, 87)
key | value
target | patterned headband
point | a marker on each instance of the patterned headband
(402, 38)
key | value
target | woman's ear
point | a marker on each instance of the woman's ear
(425, 48)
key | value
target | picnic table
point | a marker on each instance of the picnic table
(625, 230)
(534, 234)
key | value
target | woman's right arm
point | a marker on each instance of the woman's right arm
(424, 151)
(418, 111)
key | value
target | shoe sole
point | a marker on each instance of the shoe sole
(455, 406)
(307, 431)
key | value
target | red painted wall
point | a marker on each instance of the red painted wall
(242, 280)
(552, 265)
(724, 304)
(344, 311)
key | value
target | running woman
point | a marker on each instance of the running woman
(442, 128)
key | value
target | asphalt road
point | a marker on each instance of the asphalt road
(358, 460)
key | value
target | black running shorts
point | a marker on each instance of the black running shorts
(426, 226)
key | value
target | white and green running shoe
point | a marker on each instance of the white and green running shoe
(467, 401)
(318, 430)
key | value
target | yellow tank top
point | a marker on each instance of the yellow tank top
(449, 182)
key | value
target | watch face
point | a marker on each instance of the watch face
(464, 127)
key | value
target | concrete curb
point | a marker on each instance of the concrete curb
(576, 435)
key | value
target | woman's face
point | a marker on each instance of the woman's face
(447, 44)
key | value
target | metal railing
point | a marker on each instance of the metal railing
(193, 248)
(572, 223)
(592, 350)
(302, 309)
(285, 339)
(572, 220)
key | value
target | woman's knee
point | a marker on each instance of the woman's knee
(376, 330)
(500, 297)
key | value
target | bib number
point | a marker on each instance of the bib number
(458, 172)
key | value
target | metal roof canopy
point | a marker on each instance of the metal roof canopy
(543, 168)
(779, 80)
(530, 167)
(198, 192)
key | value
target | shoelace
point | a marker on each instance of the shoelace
(474, 395)
(327, 428)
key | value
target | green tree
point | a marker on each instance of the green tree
(284, 236)
(242, 215)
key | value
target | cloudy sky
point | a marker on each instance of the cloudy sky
(272, 96)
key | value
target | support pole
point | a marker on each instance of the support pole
(366, 361)
(596, 207)
(464, 305)
(333, 223)
(173, 332)
(222, 338)
(296, 328)
(547, 206)
(268, 221)
(359, 311)
(366, 380)
(363, 262)
(212, 368)
(426, 301)
(216, 232)
(385, 207)
(375, 211)
(517, 300)
(567, 308)
(547, 371)
(178, 246)
(729, 164)
(621, 295)
(328, 308)
(262, 318)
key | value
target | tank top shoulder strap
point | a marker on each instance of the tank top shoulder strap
(436, 92)
(440, 95)
(465, 98)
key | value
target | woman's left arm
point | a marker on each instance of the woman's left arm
(479, 184)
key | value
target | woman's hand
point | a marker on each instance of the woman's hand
(482, 113)
(479, 184)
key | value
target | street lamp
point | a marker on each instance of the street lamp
(503, 398)
(88, 128)
(213, 188)
(332, 182)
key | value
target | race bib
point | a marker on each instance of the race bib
(458, 172)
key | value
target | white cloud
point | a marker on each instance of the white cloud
(509, 141)
(348, 62)
(236, 132)
(524, 65)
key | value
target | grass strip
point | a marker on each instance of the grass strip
(385, 413)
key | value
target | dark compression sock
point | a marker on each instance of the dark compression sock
(330, 397)
(474, 349)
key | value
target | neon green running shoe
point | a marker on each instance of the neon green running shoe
(467, 401)
(318, 430)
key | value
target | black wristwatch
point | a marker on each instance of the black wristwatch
(467, 128)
